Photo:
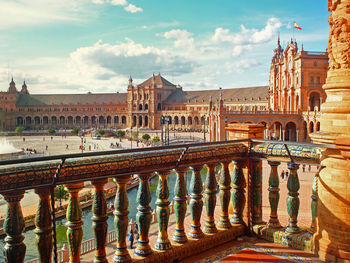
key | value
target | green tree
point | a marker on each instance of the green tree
(120, 134)
(61, 193)
(101, 132)
(75, 131)
(146, 137)
(19, 130)
(135, 135)
(155, 139)
(51, 131)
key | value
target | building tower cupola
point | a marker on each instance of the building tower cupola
(24, 88)
(12, 88)
(130, 81)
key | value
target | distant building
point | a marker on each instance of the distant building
(288, 107)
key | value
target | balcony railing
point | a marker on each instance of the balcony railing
(239, 183)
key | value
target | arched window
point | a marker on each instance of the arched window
(146, 106)
(159, 106)
(140, 107)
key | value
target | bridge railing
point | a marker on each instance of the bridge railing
(239, 183)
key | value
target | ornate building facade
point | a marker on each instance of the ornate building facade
(289, 107)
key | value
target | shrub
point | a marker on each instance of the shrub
(135, 135)
(101, 132)
(51, 131)
(75, 131)
(146, 137)
(155, 139)
(19, 129)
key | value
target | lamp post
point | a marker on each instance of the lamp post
(131, 137)
(167, 120)
(137, 134)
(83, 124)
(161, 125)
(205, 120)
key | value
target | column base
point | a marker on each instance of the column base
(210, 228)
(224, 223)
(179, 236)
(165, 245)
(196, 232)
(122, 257)
(143, 249)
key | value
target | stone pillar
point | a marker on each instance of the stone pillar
(332, 241)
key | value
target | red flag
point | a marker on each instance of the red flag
(297, 26)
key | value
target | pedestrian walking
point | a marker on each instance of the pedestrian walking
(67, 146)
(287, 174)
(309, 168)
(131, 239)
(304, 166)
(282, 175)
(46, 147)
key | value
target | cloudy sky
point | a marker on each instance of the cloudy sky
(76, 46)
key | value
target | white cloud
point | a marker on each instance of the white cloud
(119, 2)
(103, 60)
(127, 6)
(183, 38)
(24, 13)
(132, 8)
(241, 65)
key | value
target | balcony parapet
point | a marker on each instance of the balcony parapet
(78, 169)
(286, 151)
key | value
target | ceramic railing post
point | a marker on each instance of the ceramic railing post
(121, 220)
(144, 215)
(99, 219)
(196, 203)
(313, 226)
(274, 194)
(256, 188)
(43, 225)
(293, 198)
(163, 211)
(14, 249)
(210, 200)
(225, 187)
(74, 223)
(237, 195)
(180, 199)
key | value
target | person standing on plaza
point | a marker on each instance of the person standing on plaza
(304, 166)
(282, 175)
(131, 239)
(287, 174)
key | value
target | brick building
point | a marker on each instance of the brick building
(288, 107)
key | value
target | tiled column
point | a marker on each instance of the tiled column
(180, 206)
(274, 194)
(163, 211)
(293, 201)
(74, 222)
(144, 215)
(15, 249)
(225, 187)
(99, 219)
(43, 225)
(196, 203)
(121, 219)
(237, 194)
(210, 200)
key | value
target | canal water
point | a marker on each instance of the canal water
(29, 235)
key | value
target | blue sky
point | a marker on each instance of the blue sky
(76, 46)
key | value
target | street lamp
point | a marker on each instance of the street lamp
(137, 134)
(161, 125)
(205, 120)
(131, 137)
(83, 123)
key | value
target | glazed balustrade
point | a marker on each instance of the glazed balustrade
(239, 183)
(294, 154)
(72, 171)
